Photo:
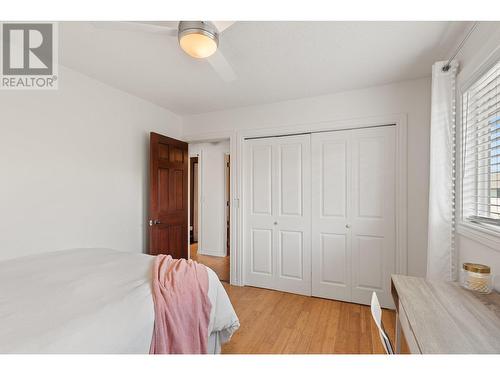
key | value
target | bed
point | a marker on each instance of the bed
(90, 301)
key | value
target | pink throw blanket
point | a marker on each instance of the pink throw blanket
(182, 307)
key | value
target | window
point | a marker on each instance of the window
(481, 150)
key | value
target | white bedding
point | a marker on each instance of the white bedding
(89, 301)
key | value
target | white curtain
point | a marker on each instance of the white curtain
(441, 257)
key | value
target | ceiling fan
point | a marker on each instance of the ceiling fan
(199, 39)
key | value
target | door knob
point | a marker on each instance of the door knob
(275, 223)
(348, 226)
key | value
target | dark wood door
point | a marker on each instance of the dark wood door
(168, 198)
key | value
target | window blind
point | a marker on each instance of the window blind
(481, 150)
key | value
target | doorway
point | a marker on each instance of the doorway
(209, 198)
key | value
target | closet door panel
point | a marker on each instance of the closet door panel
(331, 243)
(290, 169)
(370, 168)
(261, 178)
(333, 255)
(333, 170)
(291, 254)
(277, 204)
(370, 263)
(261, 249)
(259, 233)
(373, 213)
(293, 219)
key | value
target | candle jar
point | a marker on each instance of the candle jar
(476, 277)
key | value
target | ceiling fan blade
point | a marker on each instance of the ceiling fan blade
(222, 66)
(167, 24)
(223, 25)
(168, 28)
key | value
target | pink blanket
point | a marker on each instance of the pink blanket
(182, 307)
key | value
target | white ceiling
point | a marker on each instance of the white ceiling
(273, 61)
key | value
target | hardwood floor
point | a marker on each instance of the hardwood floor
(219, 264)
(276, 322)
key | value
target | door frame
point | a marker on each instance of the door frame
(191, 192)
(237, 139)
(200, 206)
(227, 213)
(209, 138)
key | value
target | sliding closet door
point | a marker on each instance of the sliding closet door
(373, 225)
(293, 213)
(321, 220)
(331, 196)
(259, 208)
(353, 214)
(278, 213)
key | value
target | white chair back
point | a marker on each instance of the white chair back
(377, 317)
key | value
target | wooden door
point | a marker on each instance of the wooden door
(168, 196)
(277, 206)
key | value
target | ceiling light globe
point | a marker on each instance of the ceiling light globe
(198, 45)
(199, 39)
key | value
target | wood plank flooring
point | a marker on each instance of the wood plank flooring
(220, 265)
(275, 322)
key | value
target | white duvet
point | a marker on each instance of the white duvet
(89, 301)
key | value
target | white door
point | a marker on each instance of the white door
(353, 214)
(373, 221)
(277, 208)
(331, 207)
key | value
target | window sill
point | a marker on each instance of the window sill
(480, 233)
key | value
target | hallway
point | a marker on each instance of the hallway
(219, 264)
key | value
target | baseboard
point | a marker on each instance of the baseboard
(212, 253)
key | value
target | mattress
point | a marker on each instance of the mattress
(90, 301)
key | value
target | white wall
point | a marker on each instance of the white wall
(212, 226)
(410, 97)
(479, 47)
(73, 166)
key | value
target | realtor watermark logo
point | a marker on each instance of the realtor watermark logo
(28, 56)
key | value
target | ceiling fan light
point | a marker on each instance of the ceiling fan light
(199, 39)
(198, 45)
